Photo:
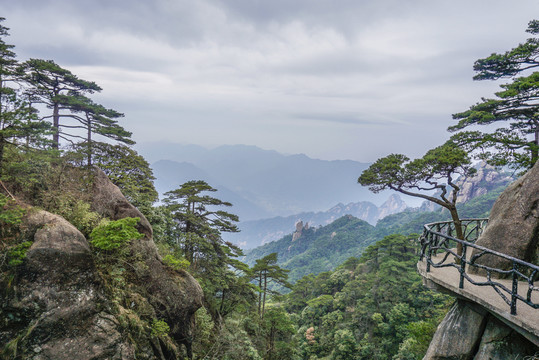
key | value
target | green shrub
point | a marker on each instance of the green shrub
(17, 254)
(115, 234)
(77, 212)
(10, 217)
(175, 262)
(159, 328)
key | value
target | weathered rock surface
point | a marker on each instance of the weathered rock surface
(56, 307)
(175, 295)
(392, 205)
(500, 342)
(458, 334)
(487, 178)
(299, 230)
(58, 304)
(469, 332)
(513, 227)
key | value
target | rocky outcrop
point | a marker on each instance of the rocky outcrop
(500, 342)
(513, 227)
(299, 230)
(458, 334)
(486, 179)
(469, 332)
(56, 307)
(59, 303)
(393, 205)
(175, 295)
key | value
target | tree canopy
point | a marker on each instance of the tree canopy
(435, 172)
(515, 107)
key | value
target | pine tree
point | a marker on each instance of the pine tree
(266, 271)
(51, 85)
(516, 108)
(200, 223)
(435, 171)
(17, 117)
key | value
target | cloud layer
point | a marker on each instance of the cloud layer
(334, 80)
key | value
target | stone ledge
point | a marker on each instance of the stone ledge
(526, 322)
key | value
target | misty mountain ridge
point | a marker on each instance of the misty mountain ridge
(259, 232)
(261, 183)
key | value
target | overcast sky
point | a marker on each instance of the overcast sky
(349, 79)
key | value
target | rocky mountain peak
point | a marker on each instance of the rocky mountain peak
(487, 178)
(393, 204)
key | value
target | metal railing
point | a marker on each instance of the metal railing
(438, 238)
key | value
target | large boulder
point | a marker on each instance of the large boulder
(54, 307)
(175, 295)
(470, 332)
(500, 342)
(513, 227)
(458, 334)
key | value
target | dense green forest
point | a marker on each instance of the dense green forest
(353, 289)
(326, 247)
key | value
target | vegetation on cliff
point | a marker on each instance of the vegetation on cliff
(130, 290)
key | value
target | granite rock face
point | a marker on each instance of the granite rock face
(56, 308)
(500, 342)
(513, 227)
(458, 334)
(175, 295)
(58, 304)
(486, 179)
(469, 332)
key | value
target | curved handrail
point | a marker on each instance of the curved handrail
(438, 237)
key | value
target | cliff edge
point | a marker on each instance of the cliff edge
(469, 331)
(61, 302)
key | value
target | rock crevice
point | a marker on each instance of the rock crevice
(57, 304)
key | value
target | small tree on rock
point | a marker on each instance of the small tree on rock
(434, 172)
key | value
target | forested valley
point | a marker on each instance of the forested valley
(348, 290)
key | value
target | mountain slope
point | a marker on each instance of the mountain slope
(259, 232)
(317, 250)
(171, 174)
(277, 184)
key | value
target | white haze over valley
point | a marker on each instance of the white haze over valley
(334, 80)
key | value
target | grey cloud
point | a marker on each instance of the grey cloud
(328, 69)
(344, 118)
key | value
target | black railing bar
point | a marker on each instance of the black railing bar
(441, 265)
(497, 286)
(492, 252)
(471, 262)
(452, 222)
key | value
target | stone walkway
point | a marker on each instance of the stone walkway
(525, 322)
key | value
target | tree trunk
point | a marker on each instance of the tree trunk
(260, 295)
(264, 297)
(56, 125)
(223, 296)
(458, 228)
(89, 140)
(535, 152)
(2, 143)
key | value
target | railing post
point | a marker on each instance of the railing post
(429, 249)
(514, 291)
(462, 269)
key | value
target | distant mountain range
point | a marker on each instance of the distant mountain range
(260, 183)
(259, 232)
(309, 249)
